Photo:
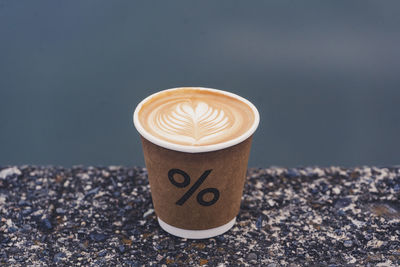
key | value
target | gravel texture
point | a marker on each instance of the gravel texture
(86, 216)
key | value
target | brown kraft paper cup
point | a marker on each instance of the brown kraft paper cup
(227, 174)
(196, 191)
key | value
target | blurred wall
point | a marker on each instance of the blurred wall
(324, 75)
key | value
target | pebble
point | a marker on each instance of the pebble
(99, 237)
(259, 222)
(147, 213)
(171, 245)
(59, 256)
(23, 203)
(47, 224)
(60, 211)
(5, 173)
(252, 256)
(348, 243)
(3, 199)
(27, 211)
(292, 173)
(12, 230)
(159, 257)
(27, 227)
(336, 190)
(121, 248)
(396, 188)
(342, 203)
(92, 192)
(368, 237)
(102, 253)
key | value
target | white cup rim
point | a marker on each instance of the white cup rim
(195, 149)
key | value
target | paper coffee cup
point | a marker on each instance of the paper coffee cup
(196, 190)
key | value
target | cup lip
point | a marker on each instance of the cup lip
(195, 149)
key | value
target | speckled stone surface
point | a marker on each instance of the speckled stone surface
(104, 217)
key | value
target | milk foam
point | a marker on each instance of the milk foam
(196, 118)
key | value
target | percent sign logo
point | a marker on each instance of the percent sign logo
(195, 186)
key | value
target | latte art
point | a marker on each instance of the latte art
(193, 122)
(195, 117)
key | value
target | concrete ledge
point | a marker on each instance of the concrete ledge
(103, 216)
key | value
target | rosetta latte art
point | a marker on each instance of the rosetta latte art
(192, 122)
(195, 117)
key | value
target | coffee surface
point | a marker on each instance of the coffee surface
(195, 117)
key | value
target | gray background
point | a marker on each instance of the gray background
(324, 75)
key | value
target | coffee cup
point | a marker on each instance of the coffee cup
(196, 143)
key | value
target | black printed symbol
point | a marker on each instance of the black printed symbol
(195, 186)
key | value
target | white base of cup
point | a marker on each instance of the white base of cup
(196, 234)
